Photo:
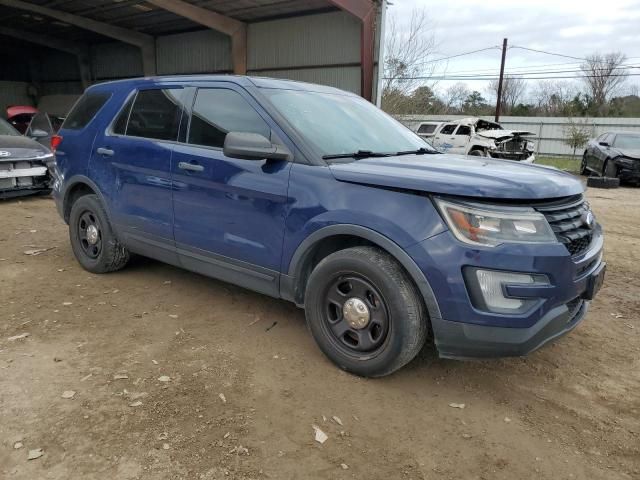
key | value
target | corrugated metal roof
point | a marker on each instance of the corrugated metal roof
(145, 17)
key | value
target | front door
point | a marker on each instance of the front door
(443, 139)
(229, 213)
(461, 139)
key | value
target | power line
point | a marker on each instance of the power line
(457, 55)
(494, 77)
(532, 71)
(548, 53)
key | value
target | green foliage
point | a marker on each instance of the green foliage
(576, 134)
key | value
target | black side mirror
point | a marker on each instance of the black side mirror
(38, 133)
(253, 146)
(603, 144)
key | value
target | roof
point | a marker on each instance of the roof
(146, 18)
(243, 80)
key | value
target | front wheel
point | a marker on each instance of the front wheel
(610, 169)
(477, 153)
(583, 165)
(365, 312)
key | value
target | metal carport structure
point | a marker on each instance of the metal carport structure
(52, 47)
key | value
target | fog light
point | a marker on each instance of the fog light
(487, 292)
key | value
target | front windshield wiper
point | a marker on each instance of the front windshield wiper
(358, 154)
(420, 151)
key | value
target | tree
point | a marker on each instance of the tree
(603, 75)
(552, 97)
(409, 54)
(513, 92)
(475, 104)
(454, 97)
(577, 134)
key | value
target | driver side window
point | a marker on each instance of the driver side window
(218, 111)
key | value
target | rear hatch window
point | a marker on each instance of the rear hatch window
(85, 109)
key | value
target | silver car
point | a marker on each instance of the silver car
(23, 163)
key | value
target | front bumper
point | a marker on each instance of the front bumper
(22, 177)
(462, 331)
(461, 340)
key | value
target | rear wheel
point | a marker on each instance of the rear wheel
(364, 311)
(93, 242)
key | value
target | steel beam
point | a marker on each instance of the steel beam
(79, 51)
(145, 42)
(365, 11)
(236, 29)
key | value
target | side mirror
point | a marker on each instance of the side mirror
(603, 144)
(38, 133)
(253, 146)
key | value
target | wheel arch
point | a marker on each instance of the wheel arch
(77, 187)
(333, 238)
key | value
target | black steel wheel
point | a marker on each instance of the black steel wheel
(93, 241)
(364, 311)
(90, 234)
(356, 314)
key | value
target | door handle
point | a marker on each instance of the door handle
(107, 152)
(191, 167)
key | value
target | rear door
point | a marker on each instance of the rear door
(133, 158)
(229, 213)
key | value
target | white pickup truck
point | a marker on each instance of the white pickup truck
(475, 136)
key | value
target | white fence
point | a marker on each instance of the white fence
(551, 131)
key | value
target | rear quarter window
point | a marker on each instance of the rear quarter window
(85, 110)
(427, 128)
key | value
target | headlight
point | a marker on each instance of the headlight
(487, 227)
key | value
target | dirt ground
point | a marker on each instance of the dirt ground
(246, 381)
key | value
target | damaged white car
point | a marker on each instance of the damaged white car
(24, 163)
(478, 137)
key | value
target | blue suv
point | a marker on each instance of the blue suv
(313, 195)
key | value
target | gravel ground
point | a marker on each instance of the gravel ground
(170, 375)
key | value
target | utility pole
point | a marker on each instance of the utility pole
(499, 102)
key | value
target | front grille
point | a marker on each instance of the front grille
(567, 222)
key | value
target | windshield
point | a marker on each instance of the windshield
(632, 142)
(6, 129)
(340, 124)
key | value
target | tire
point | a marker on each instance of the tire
(477, 153)
(105, 254)
(584, 171)
(603, 182)
(397, 329)
(610, 169)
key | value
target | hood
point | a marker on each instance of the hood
(629, 153)
(20, 147)
(462, 176)
(505, 133)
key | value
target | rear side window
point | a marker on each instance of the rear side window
(427, 128)
(120, 125)
(218, 111)
(85, 109)
(448, 129)
(155, 114)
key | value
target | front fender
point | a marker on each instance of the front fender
(288, 281)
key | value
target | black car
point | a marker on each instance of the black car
(23, 163)
(613, 154)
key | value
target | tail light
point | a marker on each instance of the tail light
(56, 140)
